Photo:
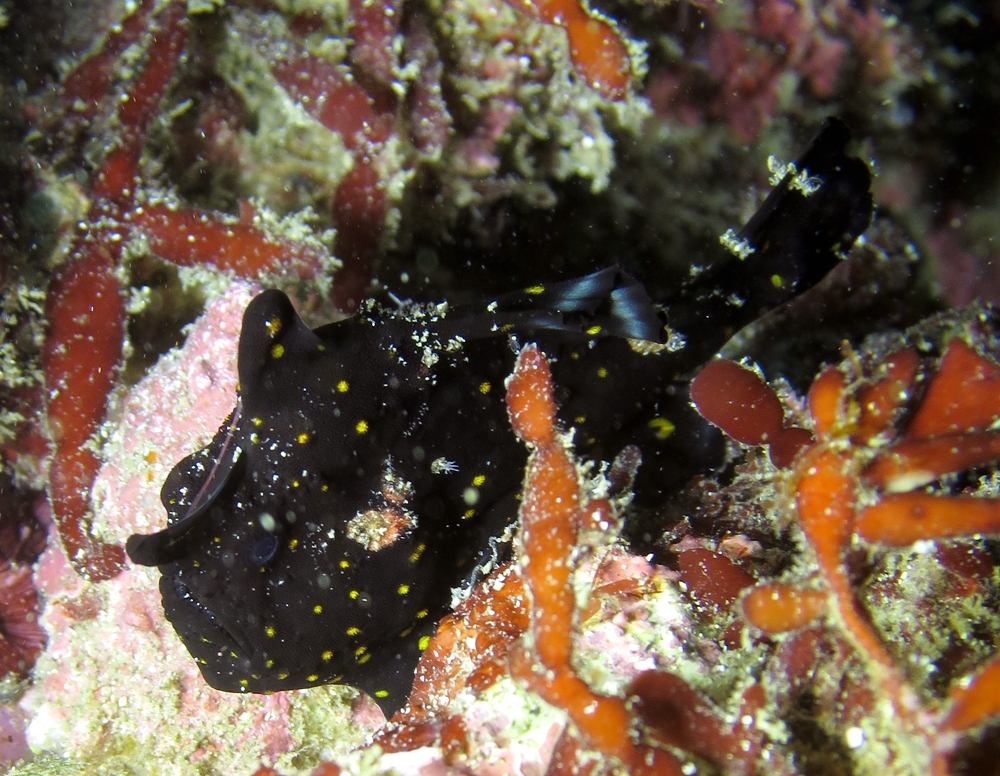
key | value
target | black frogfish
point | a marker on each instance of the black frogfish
(368, 473)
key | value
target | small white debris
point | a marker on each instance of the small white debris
(855, 737)
(736, 245)
(443, 466)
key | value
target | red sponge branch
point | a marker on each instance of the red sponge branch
(81, 369)
(193, 238)
(860, 478)
(596, 47)
(552, 513)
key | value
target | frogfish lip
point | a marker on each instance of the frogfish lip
(207, 636)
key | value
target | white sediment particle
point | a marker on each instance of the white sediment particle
(443, 466)
(736, 245)
(800, 181)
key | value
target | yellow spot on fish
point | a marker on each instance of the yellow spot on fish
(318, 609)
(327, 655)
(293, 543)
(244, 683)
(469, 513)
(312, 678)
(283, 675)
(353, 631)
(580, 419)
(361, 650)
(662, 427)
(602, 372)
(354, 595)
(534, 290)
(403, 589)
(302, 438)
(415, 555)
(361, 427)
(345, 564)
(364, 659)
(258, 422)
(485, 387)
(777, 281)
(593, 331)
(478, 480)
(421, 614)
(277, 350)
(269, 630)
(268, 663)
(424, 641)
(342, 386)
(381, 693)
(254, 438)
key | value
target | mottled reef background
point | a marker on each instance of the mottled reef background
(164, 160)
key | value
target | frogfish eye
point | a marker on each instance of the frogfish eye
(181, 590)
(264, 549)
